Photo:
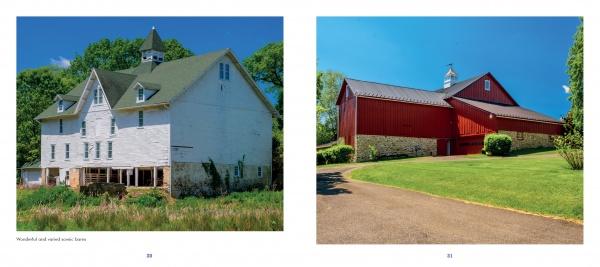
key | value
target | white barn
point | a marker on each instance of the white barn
(155, 124)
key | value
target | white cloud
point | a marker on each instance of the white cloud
(61, 62)
(567, 89)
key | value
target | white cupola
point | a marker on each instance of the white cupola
(451, 77)
(153, 49)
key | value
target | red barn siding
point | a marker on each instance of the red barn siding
(471, 120)
(497, 94)
(347, 117)
(469, 145)
(392, 118)
(529, 126)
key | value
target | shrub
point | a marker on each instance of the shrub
(58, 195)
(497, 144)
(97, 189)
(153, 198)
(373, 153)
(573, 156)
(570, 147)
(335, 154)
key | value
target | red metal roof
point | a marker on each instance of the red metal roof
(398, 93)
(509, 111)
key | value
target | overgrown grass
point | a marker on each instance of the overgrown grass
(535, 182)
(154, 211)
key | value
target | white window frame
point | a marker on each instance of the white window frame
(113, 126)
(98, 98)
(109, 149)
(83, 130)
(97, 153)
(61, 105)
(140, 119)
(67, 151)
(259, 172)
(236, 171)
(487, 85)
(226, 71)
(60, 126)
(52, 152)
(137, 97)
(86, 151)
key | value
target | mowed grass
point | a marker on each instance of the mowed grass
(540, 183)
(244, 211)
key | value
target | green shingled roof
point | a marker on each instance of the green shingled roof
(153, 42)
(170, 79)
(31, 165)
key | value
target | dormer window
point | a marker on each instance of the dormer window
(140, 95)
(98, 99)
(487, 85)
(61, 105)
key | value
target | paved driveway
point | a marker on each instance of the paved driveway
(350, 211)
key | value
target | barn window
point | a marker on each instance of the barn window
(236, 171)
(487, 85)
(221, 71)
(83, 130)
(97, 150)
(67, 151)
(113, 125)
(259, 172)
(52, 151)
(60, 126)
(140, 119)
(86, 153)
(519, 135)
(110, 147)
(98, 95)
(140, 95)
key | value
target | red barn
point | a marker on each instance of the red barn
(454, 120)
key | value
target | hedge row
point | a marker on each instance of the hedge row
(335, 154)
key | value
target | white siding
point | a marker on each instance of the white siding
(132, 146)
(223, 120)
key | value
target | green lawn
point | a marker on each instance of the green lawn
(71, 211)
(539, 182)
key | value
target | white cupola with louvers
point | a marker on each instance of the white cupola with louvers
(153, 49)
(451, 77)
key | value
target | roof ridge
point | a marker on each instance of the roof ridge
(405, 87)
(470, 80)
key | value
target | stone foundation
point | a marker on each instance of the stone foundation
(187, 177)
(529, 140)
(394, 146)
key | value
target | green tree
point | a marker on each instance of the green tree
(118, 54)
(36, 90)
(575, 71)
(266, 66)
(328, 88)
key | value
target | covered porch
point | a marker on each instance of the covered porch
(153, 176)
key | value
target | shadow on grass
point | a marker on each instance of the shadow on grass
(327, 184)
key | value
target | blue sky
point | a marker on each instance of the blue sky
(43, 41)
(527, 55)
